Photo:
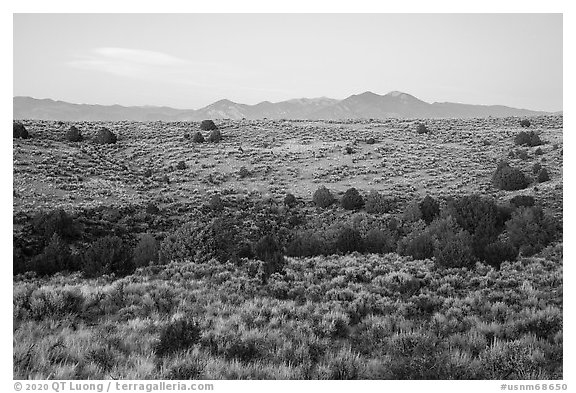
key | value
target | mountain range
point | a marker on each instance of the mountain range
(367, 105)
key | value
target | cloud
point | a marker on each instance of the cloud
(152, 66)
(135, 63)
(138, 56)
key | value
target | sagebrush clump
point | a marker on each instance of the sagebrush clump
(178, 335)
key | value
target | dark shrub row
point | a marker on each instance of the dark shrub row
(457, 232)
(55, 242)
(104, 136)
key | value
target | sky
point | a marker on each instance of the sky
(191, 60)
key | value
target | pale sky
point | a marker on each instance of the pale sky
(192, 60)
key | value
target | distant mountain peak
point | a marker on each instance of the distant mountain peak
(396, 93)
(368, 94)
(224, 101)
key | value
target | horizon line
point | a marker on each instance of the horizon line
(286, 100)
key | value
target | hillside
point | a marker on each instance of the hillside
(357, 249)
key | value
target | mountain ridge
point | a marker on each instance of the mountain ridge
(367, 105)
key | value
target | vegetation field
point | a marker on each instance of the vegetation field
(365, 249)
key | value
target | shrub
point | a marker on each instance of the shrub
(508, 178)
(352, 200)
(530, 230)
(268, 251)
(323, 197)
(538, 152)
(475, 214)
(200, 241)
(305, 245)
(522, 200)
(243, 172)
(147, 172)
(349, 240)
(418, 244)
(19, 131)
(412, 213)
(349, 150)
(220, 239)
(543, 176)
(480, 217)
(422, 129)
(525, 123)
(74, 135)
(266, 248)
(290, 200)
(245, 250)
(454, 251)
(498, 252)
(521, 154)
(527, 138)
(56, 222)
(208, 125)
(215, 136)
(377, 203)
(198, 138)
(107, 255)
(341, 365)
(379, 241)
(536, 167)
(146, 251)
(178, 335)
(18, 261)
(55, 258)
(151, 208)
(371, 141)
(105, 136)
(430, 209)
(216, 203)
(181, 165)
(184, 369)
(182, 243)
